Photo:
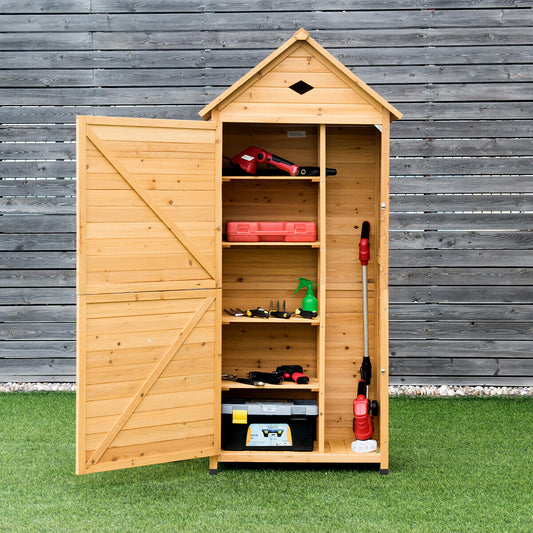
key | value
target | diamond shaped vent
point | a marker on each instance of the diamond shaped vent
(301, 87)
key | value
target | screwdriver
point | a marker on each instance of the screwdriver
(277, 313)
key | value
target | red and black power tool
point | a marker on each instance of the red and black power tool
(363, 409)
(247, 160)
(364, 412)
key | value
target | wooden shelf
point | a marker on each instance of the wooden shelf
(313, 385)
(228, 319)
(315, 244)
(274, 178)
(335, 451)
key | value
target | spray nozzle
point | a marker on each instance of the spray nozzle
(304, 283)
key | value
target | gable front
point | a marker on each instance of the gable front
(300, 86)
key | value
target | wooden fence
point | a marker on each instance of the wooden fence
(461, 168)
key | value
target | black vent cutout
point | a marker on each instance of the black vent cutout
(301, 87)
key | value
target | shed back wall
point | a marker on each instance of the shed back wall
(461, 187)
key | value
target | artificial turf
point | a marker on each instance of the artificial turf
(460, 465)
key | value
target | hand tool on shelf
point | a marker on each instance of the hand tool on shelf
(258, 312)
(282, 373)
(247, 160)
(235, 312)
(293, 373)
(246, 381)
(272, 378)
(277, 313)
(302, 313)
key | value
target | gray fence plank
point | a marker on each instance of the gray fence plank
(31, 349)
(426, 349)
(42, 295)
(390, 19)
(470, 202)
(446, 312)
(22, 224)
(38, 313)
(477, 294)
(37, 242)
(461, 330)
(38, 278)
(460, 276)
(458, 240)
(47, 260)
(462, 258)
(462, 184)
(26, 331)
(462, 221)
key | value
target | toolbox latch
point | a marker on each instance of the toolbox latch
(240, 416)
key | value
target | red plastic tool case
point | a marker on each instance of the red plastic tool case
(271, 231)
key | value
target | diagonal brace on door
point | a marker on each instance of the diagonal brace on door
(150, 380)
(146, 198)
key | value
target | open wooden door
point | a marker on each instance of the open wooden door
(148, 292)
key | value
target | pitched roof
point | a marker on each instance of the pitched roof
(300, 36)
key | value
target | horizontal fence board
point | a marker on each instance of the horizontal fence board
(470, 330)
(37, 242)
(38, 278)
(38, 313)
(38, 369)
(41, 296)
(25, 331)
(194, 76)
(474, 202)
(461, 221)
(49, 260)
(459, 240)
(498, 381)
(478, 294)
(469, 129)
(428, 147)
(461, 258)
(459, 276)
(23, 224)
(139, 6)
(460, 165)
(31, 206)
(461, 184)
(462, 366)
(450, 313)
(38, 187)
(35, 349)
(425, 349)
(354, 58)
(390, 19)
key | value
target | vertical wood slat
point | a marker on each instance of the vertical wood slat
(382, 286)
(322, 281)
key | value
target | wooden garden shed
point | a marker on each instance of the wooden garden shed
(155, 269)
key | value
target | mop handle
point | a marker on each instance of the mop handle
(364, 256)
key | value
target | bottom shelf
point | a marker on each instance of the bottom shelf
(335, 451)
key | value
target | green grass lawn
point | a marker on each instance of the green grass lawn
(455, 465)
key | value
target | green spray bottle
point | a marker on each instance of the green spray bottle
(309, 302)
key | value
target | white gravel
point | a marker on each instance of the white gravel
(394, 390)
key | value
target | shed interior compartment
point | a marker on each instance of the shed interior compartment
(329, 347)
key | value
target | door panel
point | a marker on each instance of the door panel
(149, 332)
(147, 199)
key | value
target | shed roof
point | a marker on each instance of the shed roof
(300, 39)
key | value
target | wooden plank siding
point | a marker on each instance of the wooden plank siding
(461, 158)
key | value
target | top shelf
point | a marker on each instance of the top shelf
(272, 178)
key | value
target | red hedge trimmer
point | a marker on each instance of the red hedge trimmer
(364, 410)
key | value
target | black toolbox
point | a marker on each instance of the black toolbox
(269, 424)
